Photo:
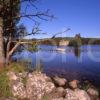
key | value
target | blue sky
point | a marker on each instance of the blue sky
(82, 16)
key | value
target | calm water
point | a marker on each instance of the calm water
(72, 63)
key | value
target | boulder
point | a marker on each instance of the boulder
(12, 76)
(60, 91)
(18, 89)
(74, 84)
(56, 94)
(82, 94)
(94, 94)
(76, 95)
(37, 86)
(60, 81)
(70, 95)
(17, 86)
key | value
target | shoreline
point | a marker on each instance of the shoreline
(39, 86)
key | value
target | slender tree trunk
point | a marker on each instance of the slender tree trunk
(10, 53)
(2, 56)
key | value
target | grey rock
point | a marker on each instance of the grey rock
(82, 94)
(74, 84)
(18, 89)
(94, 94)
(12, 76)
(60, 81)
(61, 91)
(76, 95)
(37, 86)
(70, 95)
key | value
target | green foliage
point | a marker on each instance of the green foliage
(75, 42)
(10, 6)
(4, 85)
(17, 68)
(21, 31)
(32, 47)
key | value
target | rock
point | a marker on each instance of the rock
(82, 95)
(17, 86)
(37, 85)
(60, 91)
(94, 94)
(70, 95)
(76, 95)
(23, 75)
(12, 76)
(48, 79)
(74, 84)
(57, 93)
(9, 98)
(60, 81)
(18, 89)
(58, 99)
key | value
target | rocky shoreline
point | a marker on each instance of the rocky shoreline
(39, 86)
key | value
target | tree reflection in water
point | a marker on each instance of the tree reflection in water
(77, 51)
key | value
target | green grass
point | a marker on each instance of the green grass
(17, 68)
(4, 81)
(4, 85)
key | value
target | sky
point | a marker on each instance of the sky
(82, 16)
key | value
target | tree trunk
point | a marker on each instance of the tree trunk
(2, 56)
(10, 53)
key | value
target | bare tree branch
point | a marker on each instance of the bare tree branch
(60, 33)
(41, 15)
(22, 1)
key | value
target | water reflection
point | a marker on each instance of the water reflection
(77, 51)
